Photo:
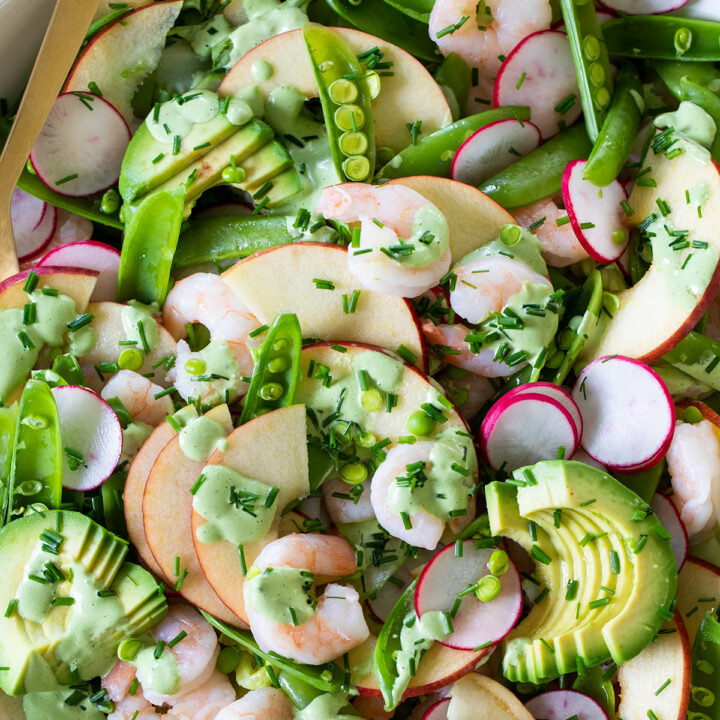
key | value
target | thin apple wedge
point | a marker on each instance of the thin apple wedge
(474, 219)
(477, 697)
(73, 282)
(271, 449)
(684, 276)
(294, 278)
(408, 95)
(698, 591)
(658, 679)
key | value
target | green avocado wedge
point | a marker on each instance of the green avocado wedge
(602, 554)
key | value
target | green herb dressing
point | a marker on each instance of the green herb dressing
(53, 315)
(44, 705)
(262, 70)
(134, 436)
(428, 221)
(219, 361)
(18, 360)
(161, 674)
(275, 591)
(219, 501)
(201, 437)
(326, 707)
(693, 127)
(133, 314)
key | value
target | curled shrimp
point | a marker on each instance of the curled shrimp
(390, 219)
(339, 498)
(559, 244)
(137, 394)
(117, 684)
(338, 623)
(263, 704)
(206, 298)
(205, 701)
(693, 460)
(133, 707)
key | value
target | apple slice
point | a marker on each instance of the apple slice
(409, 95)
(473, 218)
(659, 678)
(283, 278)
(637, 329)
(698, 591)
(76, 283)
(437, 711)
(121, 56)
(259, 449)
(105, 6)
(476, 697)
(166, 512)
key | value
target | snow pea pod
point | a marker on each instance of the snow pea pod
(704, 703)
(661, 37)
(301, 694)
(229, 238)
(697, 355)
(709, 102)
(454, 74)
(593, 683)
(417, 9)
(619, 130)
(68, 367)
(671, 72)
(433, 153)
(149, 245)
(8, 422)
(538, 174)
(591, 62)
(36, 465)
(277, 369)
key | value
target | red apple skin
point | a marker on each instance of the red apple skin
(42, 272)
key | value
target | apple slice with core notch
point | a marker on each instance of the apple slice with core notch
(698, 587)
(659, 678)
(476, 697)
(312, 280)
(409, 95)
(564, 704)
(669, 518)
(271, 449)
(74, 282)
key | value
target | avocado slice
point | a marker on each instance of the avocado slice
(599, 517)
(68, 599)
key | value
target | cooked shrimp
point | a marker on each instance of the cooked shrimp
(117, 683)
(263, 704)
(137, 394)
(485, 285)
(560, 246)
(389, 218)
(338, 623)
(133, 707)
(426, 529)
(466, 389)
(205, 701)
(693, 460)
(346, 509)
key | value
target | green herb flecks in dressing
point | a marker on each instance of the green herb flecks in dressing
(35, 598)
(53, 312)
(234, 507)
(208, 35)
(177, 116)
(134, 437)
(45, 705)
(18, 360)
(219, 362)
(326, 707)
(200, 438)
(430, 225)
(160, 674)
(275, 591)
(693, 127)
(135, 313)
(82, 341)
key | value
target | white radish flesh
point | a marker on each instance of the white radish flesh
(669, 518)
(526, 429)
(643, 7)
(628, 414)
(475, 623)
(33, 223)
(91, 437)
(595, 214)
(493, 148)
(438, 710)
(81, 146)
(540, 73)
(564, 704)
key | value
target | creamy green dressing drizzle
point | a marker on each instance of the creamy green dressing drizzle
(429, 239)
(134, 436)
(46, 705)
(160, 674)
(219, 361)
(326, 707)
(134, 314)
(200, 437)
(281, 594)
(235, 507)
(693, 127)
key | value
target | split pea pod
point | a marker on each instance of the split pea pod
(704, 702)
(345, 96)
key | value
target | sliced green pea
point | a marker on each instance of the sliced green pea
(356, 168)
(350, 117)
(271, 391)
(195, 366)
(420, 423)
(372, 400)
(343, 91)
(353, 473)
(353, 143)
(131, 359)
(488, 588)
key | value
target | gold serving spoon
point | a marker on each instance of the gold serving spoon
(68, 25)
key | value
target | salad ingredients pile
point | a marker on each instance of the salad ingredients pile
(364, 362)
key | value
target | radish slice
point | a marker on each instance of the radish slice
(595, 213)
(642, 7)
(526, 428)
(438, 710)
(33, 223)
(493, 148)
(627, 411)
(564, 704)
(540, 73)
(669, 518)
(91, 437)
(93, 256)
(555, 392)
(81, 146)
(476, 622)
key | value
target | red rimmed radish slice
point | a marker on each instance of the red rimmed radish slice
(476, 622)
(33, 223)
(526, 428)
(669, 518)
(642, 7)
(81, 146)
(539, 73)
(493, 148)
(91, 437)
(627, 411)
(556, 393)
(564, 704)
(595, 214)
(93, 256)
(438, 710)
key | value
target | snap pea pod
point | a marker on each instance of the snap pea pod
(277, 368)
(454, 73)
(68, 367)
(538, 174)
(149, 245)
(433, 153)
(417, 9)
(111, 493)
(709, 102)
(704, 703)
(671, 72)
(696, 355)
(301, 694)
(661, 37)
(593, 683)
(36, 465)
(591, 62)
(8, 422)
(619, 129)
(229, 238)
(346, 102)
(326, 678)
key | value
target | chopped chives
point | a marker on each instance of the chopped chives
(80, 321)
(241, 555)
(31, 282)
(178, 638)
